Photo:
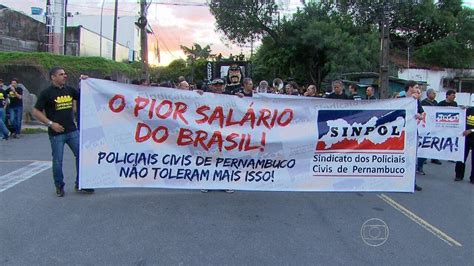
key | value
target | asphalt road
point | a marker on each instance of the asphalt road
(156, 226)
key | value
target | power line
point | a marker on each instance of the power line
(166, 46)
(195, 4)
(105, 8)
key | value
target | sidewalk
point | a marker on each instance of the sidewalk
(34, 125)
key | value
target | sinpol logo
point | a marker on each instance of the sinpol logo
(444, 117)
(361, 129)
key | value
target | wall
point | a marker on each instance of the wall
(9, 44)
(20, 30)
(128, 33)
(32, 77)
(434, 78)
(83, 42)
(21, 26)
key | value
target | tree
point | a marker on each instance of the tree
(429, 28)
(328, 38)
(318, 44)
(242, 21)
(456, 50)
(171, 72)
(196, 53)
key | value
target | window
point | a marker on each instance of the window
(467, 85)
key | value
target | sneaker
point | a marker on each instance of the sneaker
(60, 191)
(15, 136)
(204, 190)
(229, 191)
(438, 162)
(420, 172)
(418, 188)
(458, 179)
(84, 190)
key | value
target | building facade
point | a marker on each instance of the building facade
(128, 34)
(19, 32)
(84, 42)
(460, 80)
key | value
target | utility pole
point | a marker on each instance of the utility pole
(384, 53)
(49, 28)
(65, 27)
(114, 44)
(142, 23)
(101, 17)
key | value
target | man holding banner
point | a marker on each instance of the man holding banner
(469, 146)
(168, 138)
(430, 100)
(57, 102)
(411, 89)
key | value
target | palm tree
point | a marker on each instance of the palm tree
(197, 52)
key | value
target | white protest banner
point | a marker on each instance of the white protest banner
(440, 133)
(135, 136)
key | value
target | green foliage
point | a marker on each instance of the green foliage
(197, 56)
(73, 64)
(197, 52)
(447, 40)
(193, 69)
(429, 28)
(179, 67)
(242, 21)
(328, 38)
(171, 72)
(318, 44)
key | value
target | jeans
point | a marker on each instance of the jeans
(3, 114)
(16, 117)
(419, 164)
(3, 127)
(57, 148)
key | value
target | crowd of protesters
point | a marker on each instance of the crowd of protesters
(11, 109)
(62, 128)
(412, 89)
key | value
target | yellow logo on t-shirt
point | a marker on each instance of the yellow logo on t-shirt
(470, 120)
(1, 96)
(63, 102)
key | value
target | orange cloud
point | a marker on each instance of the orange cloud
(175, 26)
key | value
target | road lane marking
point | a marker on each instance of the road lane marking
(22, 161)
(19, 175)
(430, 228)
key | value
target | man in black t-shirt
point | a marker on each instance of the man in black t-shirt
(450, 96)
(15, 108)
(338, 91)
(247, 90)
(57, 103)
(353, 93)
(430, 100)
(469, 147)
(370, 93)
(3, 104)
